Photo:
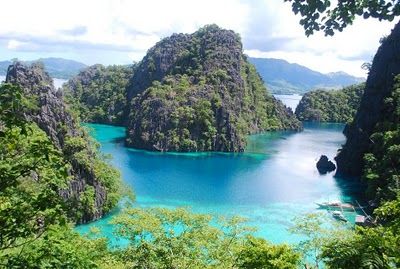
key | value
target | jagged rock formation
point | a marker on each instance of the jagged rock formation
(379, 86)
(98, 93)
(53, 117)
(330, 106)
(52, 113)
(324, 165)
(198, 92)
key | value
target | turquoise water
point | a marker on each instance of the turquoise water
(274, 181)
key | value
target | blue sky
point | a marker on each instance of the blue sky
(120, 32)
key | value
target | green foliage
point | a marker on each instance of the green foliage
(84, 151)
(382, 162)
(98, 93)
(322, 15)
(377, 247)
(163, 238)
(330, 106)
(60, 247)
(13, 107)
(258, 253)
(367, 248)
(310, 226)
(205, 97)
(33, 216)
(32, 172)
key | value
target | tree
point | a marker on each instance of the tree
(170, 239)
(321, 15)
(376, 247)
(31, 175)
(259, 253)
(316, 230)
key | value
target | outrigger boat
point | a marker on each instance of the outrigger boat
(336, 205)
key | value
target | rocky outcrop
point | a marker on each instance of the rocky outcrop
(53, 117)
(379, 85)
(198, 92)
(324, 165)
(52, 113)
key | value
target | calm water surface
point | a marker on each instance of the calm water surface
(58, 82)
(274, 181)
(290, 100)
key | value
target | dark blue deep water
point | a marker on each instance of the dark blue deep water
(274, 181)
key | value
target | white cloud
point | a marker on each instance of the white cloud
(130, 28)
(14, 44)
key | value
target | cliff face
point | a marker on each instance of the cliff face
(198, 92)
(55, 120)
(52, 112)
(379, 86)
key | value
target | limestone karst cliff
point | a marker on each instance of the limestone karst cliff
(94, 185)
(379, 86)
(198, 92)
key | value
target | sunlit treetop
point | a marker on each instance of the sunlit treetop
(330, 16)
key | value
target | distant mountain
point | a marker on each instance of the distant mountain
(282, 77)
(56, 67)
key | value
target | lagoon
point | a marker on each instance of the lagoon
(272, 182)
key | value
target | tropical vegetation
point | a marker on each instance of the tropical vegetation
(203, 96)
(330, 106)
(98, 93)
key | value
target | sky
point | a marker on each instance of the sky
(121, 31)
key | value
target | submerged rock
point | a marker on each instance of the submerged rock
(324, 165)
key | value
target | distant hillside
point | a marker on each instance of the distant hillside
(56, 67)
(282, 77)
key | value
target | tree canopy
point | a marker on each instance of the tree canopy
(330, 16)
(330, 106)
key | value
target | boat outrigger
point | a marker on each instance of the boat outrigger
(337, 205)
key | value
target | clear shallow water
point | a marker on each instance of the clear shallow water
(274, 181)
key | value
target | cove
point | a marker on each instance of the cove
(272, 182)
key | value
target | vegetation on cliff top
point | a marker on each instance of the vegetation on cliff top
(382, 161)
(330, 106)
(198, 92)
(93, 188)
(98, 93)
